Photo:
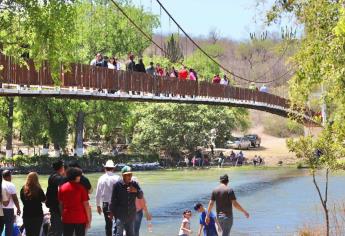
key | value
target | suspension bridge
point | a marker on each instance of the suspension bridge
(81, 81)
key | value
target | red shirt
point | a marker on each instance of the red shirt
(72, 196)
(183, 74)
(216, 80)
(160, 71)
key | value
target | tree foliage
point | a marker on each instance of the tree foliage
(174, 128)
(320, 61)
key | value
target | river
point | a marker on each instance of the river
(279, 200)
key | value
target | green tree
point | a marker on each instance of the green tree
(43, 121)
(205, 68)
(174, 128)
(320, 61)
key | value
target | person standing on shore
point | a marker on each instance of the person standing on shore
(32, 197)
(122, 204)
(103, 194)
(83, 179)
(11, 192)
(55, 180)
(225, 198)
(3, 202)
(74, 204)
(141, 211)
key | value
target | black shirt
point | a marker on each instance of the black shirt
(140, 68)
(223, 196)
(86, 183)
(32, 206)
(122, 202)
(130, 66)
(54, 181)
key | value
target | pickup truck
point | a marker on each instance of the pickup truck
(254, 139)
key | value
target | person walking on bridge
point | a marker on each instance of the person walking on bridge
(225, 198)
(130, 65)
(103, 194)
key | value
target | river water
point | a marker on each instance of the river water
(280, 201)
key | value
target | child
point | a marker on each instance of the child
(185, 226)
(210, 229)
(16, 227)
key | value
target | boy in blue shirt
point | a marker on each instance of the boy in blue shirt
(210, 229)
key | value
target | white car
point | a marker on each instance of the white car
(239, 143)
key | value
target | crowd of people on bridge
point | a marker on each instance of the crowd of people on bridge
(118, 197)
(154, 70)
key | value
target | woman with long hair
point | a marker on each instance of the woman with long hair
(32, 197)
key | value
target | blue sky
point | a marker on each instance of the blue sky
(233, 19)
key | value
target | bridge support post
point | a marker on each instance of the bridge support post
(79, 147)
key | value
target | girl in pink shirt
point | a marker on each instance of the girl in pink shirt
(141, 206)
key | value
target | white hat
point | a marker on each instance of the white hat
(109, 164)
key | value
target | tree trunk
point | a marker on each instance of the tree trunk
(323, 199)
(9, 133)
(79, 134)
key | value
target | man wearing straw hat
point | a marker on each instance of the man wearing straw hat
(122, 204)
(103, 194)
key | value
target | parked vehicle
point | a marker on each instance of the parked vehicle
(238, 143)
(254, 139)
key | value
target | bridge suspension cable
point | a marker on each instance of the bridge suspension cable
(216, 62)
(148, 37)
(136, 25)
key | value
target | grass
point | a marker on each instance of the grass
(337, 221)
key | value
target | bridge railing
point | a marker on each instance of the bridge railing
(86, 76)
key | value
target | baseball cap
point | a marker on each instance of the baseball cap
(126, 170)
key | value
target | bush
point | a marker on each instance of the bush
(281, 127)
(90, 163)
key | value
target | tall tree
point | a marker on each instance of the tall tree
(320, 64)
(173, 50)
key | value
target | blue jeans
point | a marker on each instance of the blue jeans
(122, 225)
(109, 226)
(8, 220)
(210, 233)
(137, 223)
(225, 224)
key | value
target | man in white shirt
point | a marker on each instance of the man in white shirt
(103, 194)
(11, 194)
(3, 202)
